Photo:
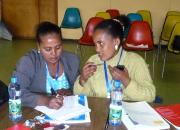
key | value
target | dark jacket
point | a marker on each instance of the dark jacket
(31, 74)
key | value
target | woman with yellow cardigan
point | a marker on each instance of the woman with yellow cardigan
(99, 71)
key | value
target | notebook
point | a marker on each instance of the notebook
(70, 109)
(83, 118)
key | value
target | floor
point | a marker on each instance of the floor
(168, 87)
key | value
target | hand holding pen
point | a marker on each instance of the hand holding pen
(55, 101)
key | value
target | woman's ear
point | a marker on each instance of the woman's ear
(38, 47)
(117, 41)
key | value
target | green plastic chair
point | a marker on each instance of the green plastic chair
(104, 15)
(172, 17)
(176, 31)
(170, 21)
(146, 16)
(173, 13)
(72, 18)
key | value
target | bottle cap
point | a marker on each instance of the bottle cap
(117, 83)
(13, 79)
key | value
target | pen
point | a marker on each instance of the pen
(53, 91)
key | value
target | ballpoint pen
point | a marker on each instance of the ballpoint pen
(53, 91)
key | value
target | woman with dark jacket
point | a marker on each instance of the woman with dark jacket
(42, 73)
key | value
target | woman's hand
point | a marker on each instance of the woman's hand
(55, 102)
(87, 71)
(121, 75)
(65, 92)
(51, 102)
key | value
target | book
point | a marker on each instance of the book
(171, 113)
(141, 116)
(71, 108)
(83, 118)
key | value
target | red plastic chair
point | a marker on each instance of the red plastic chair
(86, 39)
(139, 37)
(113, 12)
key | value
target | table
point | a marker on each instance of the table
(99, 112)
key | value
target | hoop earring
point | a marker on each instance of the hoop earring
(116, 47)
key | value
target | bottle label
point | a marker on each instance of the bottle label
(115, 114)
(18, 93)
(15, 110)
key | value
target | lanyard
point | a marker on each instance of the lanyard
(108, 86)
(106, 78)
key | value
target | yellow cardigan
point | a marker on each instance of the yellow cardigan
(140, 88)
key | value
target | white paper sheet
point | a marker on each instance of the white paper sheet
(70, 109)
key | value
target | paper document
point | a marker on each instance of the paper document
(83, 118)
(70, 109)
(142, 116)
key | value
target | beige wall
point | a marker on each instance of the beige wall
(88, 8)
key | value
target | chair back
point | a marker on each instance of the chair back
(146, 16)
(139, 37)
(113, 12)
(168, 26)
(72, 18)
(103, 15)
(176, 31)
(173, 13)
(86, 39)
(134, 17)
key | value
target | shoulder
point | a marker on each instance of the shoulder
(131, 56)
(70, 55)
(70, 59)
(30, 56)
(31, 59)
(94, 58)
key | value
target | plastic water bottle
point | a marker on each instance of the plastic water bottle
(115, 108)
(15, 110)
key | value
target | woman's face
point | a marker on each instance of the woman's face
(105, 44)
(51, 47)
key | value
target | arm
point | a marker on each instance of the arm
(85, 89)
(24, 72)
(140, 87)
(83, 82)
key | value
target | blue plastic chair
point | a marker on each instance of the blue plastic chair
(134, 17)
(158, 100)
(72, 18)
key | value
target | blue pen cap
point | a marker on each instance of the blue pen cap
(117, 83)
(13, 80)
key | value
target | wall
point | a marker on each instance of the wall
(88, 8)
(22, 16)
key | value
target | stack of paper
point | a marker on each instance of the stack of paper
(141, 116)
(70, 109)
